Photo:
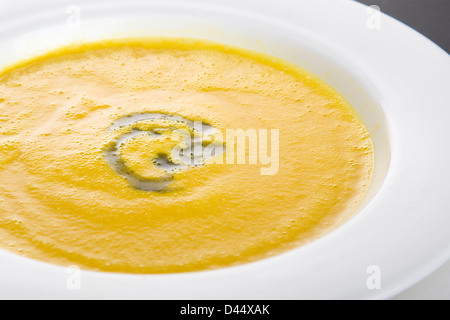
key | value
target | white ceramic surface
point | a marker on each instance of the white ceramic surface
(397, 81)
(434, 287)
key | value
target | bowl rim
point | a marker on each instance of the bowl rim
(394, 178)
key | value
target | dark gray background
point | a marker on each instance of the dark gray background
(429, 17)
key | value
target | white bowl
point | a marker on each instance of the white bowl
(396, 80)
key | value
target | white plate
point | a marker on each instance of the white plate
(396, 79)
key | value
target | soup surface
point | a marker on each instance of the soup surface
(172, 155)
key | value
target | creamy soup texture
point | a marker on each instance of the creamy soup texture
(88, 175)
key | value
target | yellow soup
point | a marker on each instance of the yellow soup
(172, 155)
